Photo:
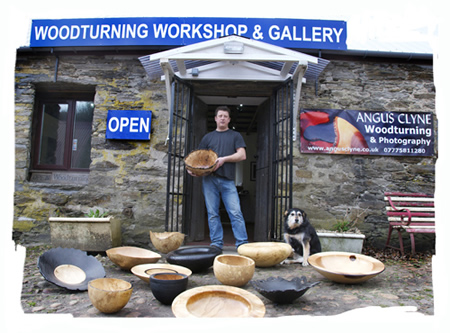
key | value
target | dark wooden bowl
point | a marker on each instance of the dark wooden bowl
(69, 268)
(166, 286)
(283, 291)
(196, 258)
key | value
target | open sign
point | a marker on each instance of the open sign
(128, 125)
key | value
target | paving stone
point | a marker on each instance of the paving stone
(398, 285)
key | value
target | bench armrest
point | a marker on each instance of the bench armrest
(407, 211)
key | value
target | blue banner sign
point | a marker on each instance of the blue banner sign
(329, 131)
(128, 125)
(179, 31)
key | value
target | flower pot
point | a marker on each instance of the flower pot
(341, 242)
(85, 233)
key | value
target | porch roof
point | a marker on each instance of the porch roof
(232, 58)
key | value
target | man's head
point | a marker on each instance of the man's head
(222, 118)
(223, 108)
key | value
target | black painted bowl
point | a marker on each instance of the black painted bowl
(166, 286)
(282, 291)
(196, 258)
(69, 268)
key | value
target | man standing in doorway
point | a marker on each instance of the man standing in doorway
(230, 147)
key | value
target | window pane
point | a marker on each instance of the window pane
(81, 142)
(53, 134)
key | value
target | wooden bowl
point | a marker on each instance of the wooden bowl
(233, 270)
(346, 267)
(265, 254)
(69, 268)
(109, 295)
(166, 286)
(145, 270)
(166, 241)
(196, 258)
(201, 162)
(217, 301)
(128, 256)
(282, 291)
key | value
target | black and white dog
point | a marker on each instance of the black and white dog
(301, 235)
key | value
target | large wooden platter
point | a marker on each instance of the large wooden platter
(346, 267)
(217, 301)
(145, 270)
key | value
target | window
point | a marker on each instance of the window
(63, 133)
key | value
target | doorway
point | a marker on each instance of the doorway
(260, 116)
(237, 72)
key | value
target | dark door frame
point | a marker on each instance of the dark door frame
(185, 209)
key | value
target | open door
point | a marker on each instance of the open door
(282, 152)
(180, 143)
(274, 162)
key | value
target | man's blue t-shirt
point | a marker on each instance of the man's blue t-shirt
(223, 143)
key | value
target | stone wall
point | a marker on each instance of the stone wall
(329, 187)
(128, 179)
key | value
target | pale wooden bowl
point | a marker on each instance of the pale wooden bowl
(145, 270)
(233, 270)
(166, 241)
(265, 254)
(217, 301)
(201, 162)
(128, 256)
(109, 295)
(346, 267)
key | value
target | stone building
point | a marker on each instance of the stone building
(132, 179)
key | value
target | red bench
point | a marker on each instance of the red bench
(409, 212)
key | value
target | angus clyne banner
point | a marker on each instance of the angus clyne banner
(330, 131)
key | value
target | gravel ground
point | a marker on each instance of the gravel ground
(405, 282)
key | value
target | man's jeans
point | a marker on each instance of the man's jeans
(213, 188)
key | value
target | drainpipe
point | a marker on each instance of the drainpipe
(56, 67)
(168, 73)
(300, 71)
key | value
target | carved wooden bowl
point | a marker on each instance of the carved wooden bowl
(233, 270)
(128, 256)
(217, 301)
(145, 270)
(166, 241)
(265, 254)
(69, 268)
(109, 295)
(166, 286)
(346, 267)
(283, 291)
(201, 162)
(196, 258)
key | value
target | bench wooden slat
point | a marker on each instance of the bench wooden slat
(402, 194)
(405, 199)
(412, 224)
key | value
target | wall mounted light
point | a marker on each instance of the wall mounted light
(233, 48)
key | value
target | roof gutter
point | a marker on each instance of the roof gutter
(408, 56)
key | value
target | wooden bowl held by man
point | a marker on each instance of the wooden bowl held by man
(201, 162)
(166, 241)
(233, 270)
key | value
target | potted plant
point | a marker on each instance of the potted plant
(344, 236)
(94, 232)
